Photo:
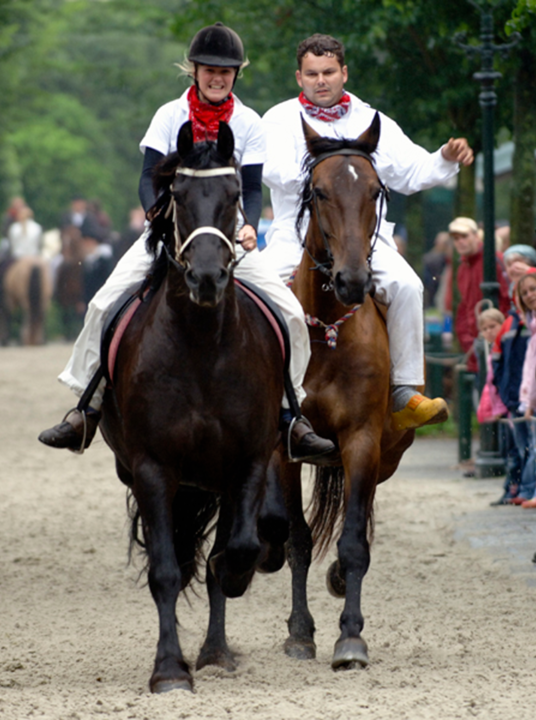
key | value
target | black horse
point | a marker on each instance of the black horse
(192, 416)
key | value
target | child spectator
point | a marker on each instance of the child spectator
(526, 295)
(490, 407)
(508, 356)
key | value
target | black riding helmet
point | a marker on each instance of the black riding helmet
(217, 45)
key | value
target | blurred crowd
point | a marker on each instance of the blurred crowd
(499, 344)
(79, 254)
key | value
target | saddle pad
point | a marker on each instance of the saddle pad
(116, 323)
(272, 313)
(125, 308)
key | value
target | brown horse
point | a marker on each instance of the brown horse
(347, 386)
(193, 413)
(27, 287)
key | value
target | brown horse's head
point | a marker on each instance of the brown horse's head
(196, 213)
(340, 191)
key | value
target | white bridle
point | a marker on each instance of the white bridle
(180, 248)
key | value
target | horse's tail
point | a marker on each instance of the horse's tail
(328, 508)
(193, 512)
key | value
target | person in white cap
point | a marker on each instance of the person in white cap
(469, 246)
(401, 164)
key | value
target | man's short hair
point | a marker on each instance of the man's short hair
(320, 45)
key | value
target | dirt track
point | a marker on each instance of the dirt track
(451, 630)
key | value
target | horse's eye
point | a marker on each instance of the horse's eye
(320, 194)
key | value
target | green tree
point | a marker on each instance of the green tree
(523, 195)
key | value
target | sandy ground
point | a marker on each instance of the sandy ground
(450, 624)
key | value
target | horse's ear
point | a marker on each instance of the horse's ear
(185, 139)
(225, 141)
(368, 140)
(309, 134)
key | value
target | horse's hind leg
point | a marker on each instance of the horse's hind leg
(300, 642)
(215, 650)
(152, 495)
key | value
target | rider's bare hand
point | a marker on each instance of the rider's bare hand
(458, 150)
(247, 237)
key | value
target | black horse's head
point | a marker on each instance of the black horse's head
(196, 214)
(340, 192)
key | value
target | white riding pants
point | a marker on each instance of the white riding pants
(397, 285)
(131, 269)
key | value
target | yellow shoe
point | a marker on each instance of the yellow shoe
(419, 411)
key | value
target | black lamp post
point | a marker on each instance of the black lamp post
(489, 461)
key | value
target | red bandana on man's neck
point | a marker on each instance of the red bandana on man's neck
(335, 112)
(206, 117)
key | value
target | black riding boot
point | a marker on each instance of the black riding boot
(303, 444)
(75, 432)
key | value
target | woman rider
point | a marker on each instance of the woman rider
(215, 58)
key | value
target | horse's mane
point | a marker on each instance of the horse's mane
(202, 156)
(319, 146)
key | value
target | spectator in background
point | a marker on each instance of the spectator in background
(135, 227)
(517, 261)
(25, 236)
(490, 407)
(508, 357)
(10, 215)
(525, 295)
(435, 263)
(502, 237)
(469, 246)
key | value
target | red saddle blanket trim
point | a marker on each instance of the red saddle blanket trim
(118, 334)
(134, 305)
(267, 313)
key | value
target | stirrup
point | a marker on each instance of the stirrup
(289, 433)
(82, 448)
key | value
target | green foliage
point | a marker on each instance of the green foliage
(523, 16)
(80, 81)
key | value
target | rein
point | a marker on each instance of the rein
(326, 267)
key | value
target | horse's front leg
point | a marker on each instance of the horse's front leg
(273, 520)
(345, 577)
(235, 565)
(215, 650)
(153, 493)
(300, 642)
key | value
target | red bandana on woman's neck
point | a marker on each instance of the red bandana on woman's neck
(326, 114)
(206, 117)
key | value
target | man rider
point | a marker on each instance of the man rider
(401, 165)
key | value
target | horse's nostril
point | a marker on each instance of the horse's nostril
(191, 278)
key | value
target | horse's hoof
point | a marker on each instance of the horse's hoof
(172, 674)
(335, 583)
(349, 653)
(220, 658)
(300, 649)
(165, 685)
